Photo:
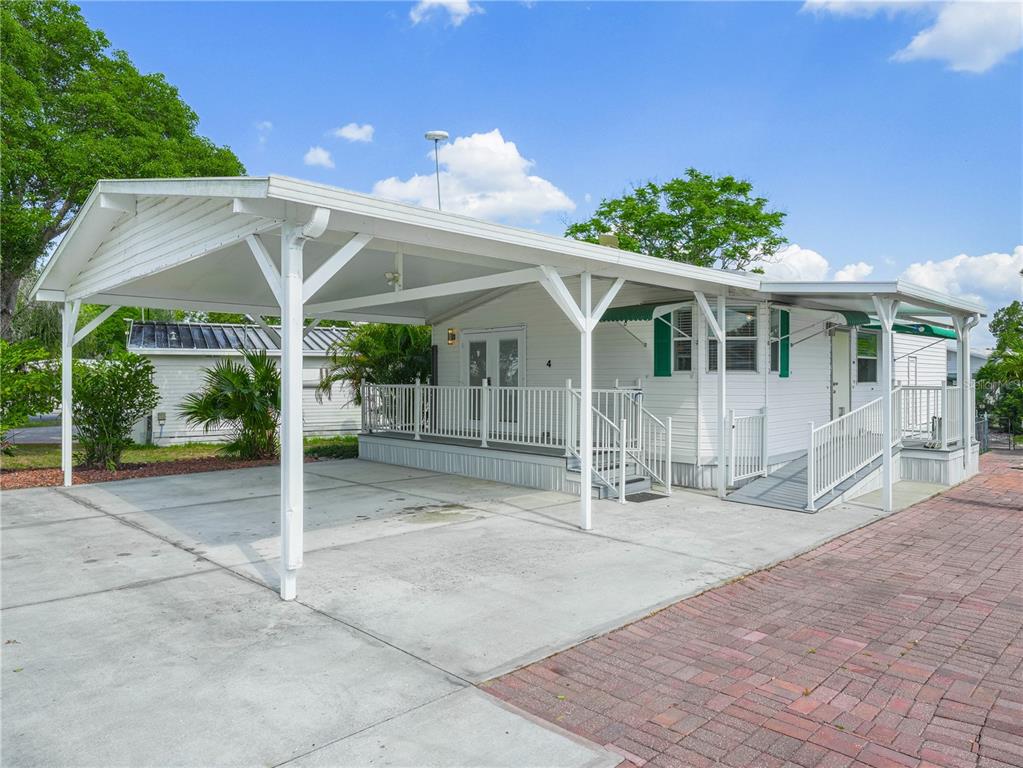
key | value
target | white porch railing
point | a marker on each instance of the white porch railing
(747, 455)
(933, 415)
(627, 438)
(844, 446)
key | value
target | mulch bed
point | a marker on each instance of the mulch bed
(37, 478)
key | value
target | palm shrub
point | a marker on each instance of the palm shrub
(246, 398)
(110, 396)
(378, 353)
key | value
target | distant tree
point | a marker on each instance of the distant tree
(243, 397)
(29, 385)
(73, 112)
(1000, 379)
(698, 219)
(379, 353)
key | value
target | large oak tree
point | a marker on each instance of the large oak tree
(75, 111)
(699, 219)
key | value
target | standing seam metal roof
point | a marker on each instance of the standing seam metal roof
(156, 336)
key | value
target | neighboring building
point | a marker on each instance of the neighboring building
(977, 360)
(181, 353)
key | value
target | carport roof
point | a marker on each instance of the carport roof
(190, 244)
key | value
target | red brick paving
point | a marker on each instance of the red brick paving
(895, 645)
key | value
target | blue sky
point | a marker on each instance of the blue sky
(886, 163)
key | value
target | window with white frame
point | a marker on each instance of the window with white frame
(866, 357)
(682, 339)
(740, 341)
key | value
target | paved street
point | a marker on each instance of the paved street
(898, 644)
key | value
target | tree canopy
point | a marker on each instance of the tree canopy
(75, 111)
(698, 219)
(1001, 377)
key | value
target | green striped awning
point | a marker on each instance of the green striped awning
(853, 317)
(918, 329)
(635, 312)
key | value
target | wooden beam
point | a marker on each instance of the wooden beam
(93, 324)
(258, 320)
(605, 301)
(120, 203)
(708, 313)
(488, 282)
(558, 291)
(333, 265)
(266, 265)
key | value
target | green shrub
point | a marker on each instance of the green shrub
(29, 385)
(244, 397)
(345, 447)
(110, 395)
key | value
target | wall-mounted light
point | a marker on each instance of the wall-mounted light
(452, 337)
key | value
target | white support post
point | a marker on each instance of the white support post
(886, 310)
(586, 404)
(292, 320)
(945, 413)
(722, 400)
(417, 409)
(667, 456)
(367, 425)
(584, 318)
(569, 421)
(810, 467)
(763, 443)
(622, 461)
(484, 412)
(69, 318)
(963, 326)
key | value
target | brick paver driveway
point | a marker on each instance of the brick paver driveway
(896, 645)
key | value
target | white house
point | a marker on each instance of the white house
(532, 332)
(181, 353)
(977, 359)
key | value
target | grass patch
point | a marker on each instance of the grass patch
(341, 447)
(48, 456)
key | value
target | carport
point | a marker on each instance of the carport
(279, 246)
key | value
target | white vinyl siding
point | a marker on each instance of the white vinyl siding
(178, 375)
(918, 360)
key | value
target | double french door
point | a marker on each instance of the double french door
(495, 358)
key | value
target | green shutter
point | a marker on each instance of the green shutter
(783, 345)
(662, 345)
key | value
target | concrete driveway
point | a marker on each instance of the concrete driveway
(141, 626)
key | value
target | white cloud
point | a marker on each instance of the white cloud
(794, 262)
(968, 35)
(355, 132)
(851, 272)
(992, 278)
(263, 129)
(318, 156)
(482, 175)
(457, 10)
